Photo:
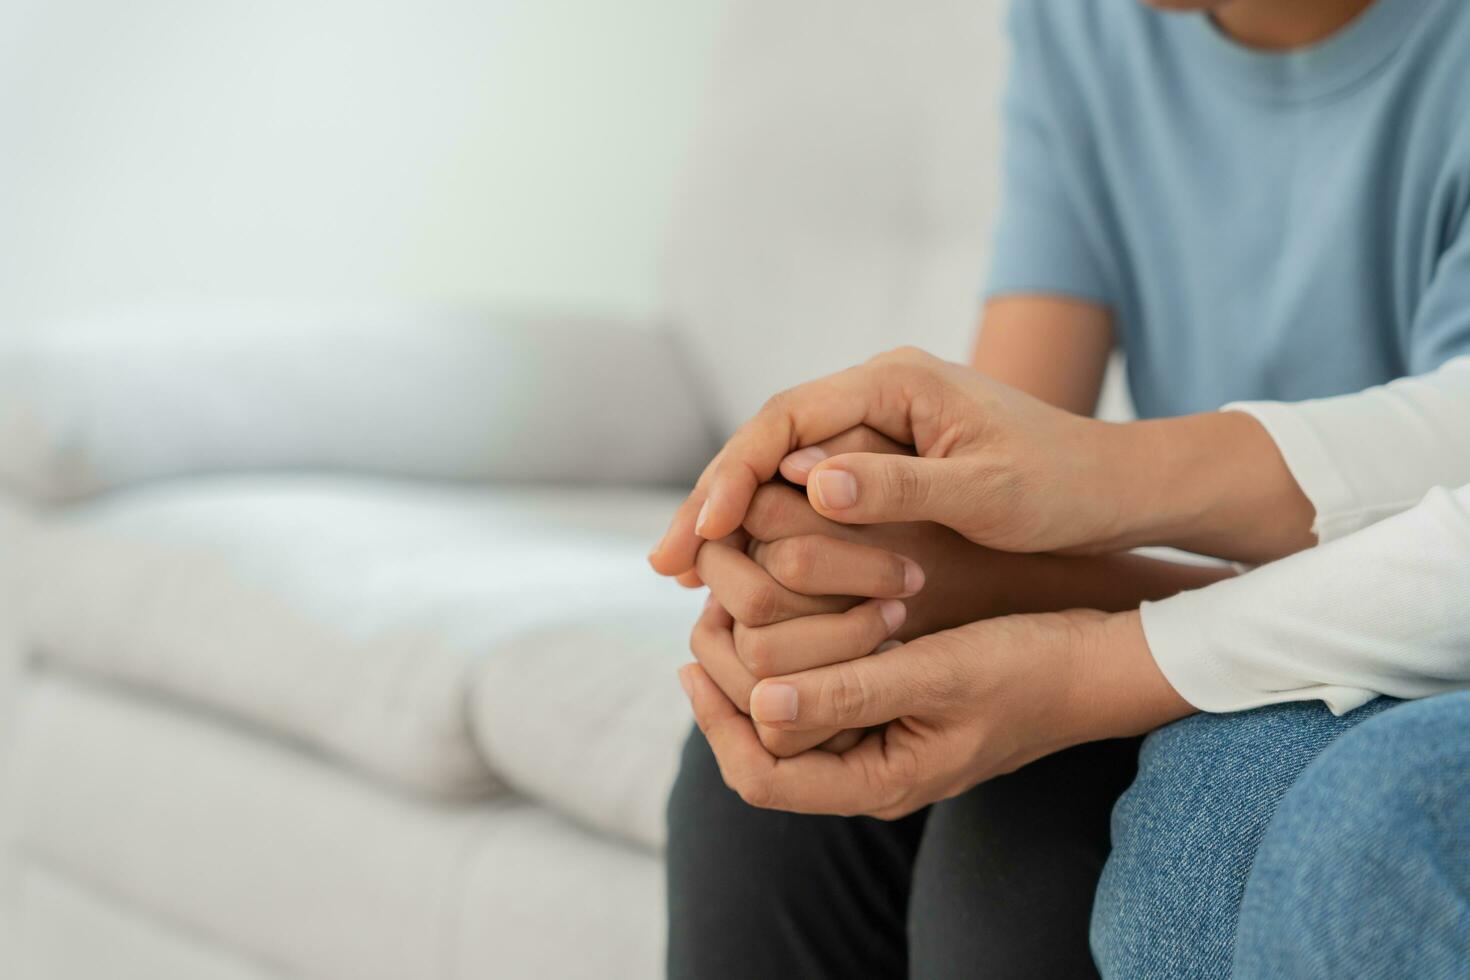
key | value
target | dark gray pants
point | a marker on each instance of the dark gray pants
(997, 882)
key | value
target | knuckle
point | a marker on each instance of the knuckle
(780, 744)
(896, 812)
(794, 561)
(777, 403)
(698, 639)
(845, 693)
(768, 508)
(904, 486)
(759, 604)
(903, 354)
(756, 652)
(757, 791)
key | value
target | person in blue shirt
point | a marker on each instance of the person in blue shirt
(1254, 199)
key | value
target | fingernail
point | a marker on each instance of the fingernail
(913, 577)
(836, 489)
(893, 613)
(887, 645)
(773, 703)
(699, 521)
(802, 461)
(709, 602)
(686, 683)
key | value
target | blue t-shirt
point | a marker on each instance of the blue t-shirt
(1261, 225)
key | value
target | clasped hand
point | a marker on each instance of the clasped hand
(802, 687)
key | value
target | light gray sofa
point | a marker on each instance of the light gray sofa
(332, 652)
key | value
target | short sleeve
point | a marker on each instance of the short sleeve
(1441, 325)
(1039, 245)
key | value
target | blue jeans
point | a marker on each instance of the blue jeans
(1365, 869)
(1292, 843)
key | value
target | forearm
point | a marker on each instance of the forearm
(981, 584)
(1215, 484)
(1019, 340)
(1112, 685)
(1273, 478)
(1110, 583)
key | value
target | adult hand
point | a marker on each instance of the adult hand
(756, 626)
(1004, 469)
(951, 710)
(996, 465)
(796, 573)
(858, 439)
(736, 668)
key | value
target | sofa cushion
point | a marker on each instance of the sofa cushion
(101, 404)
(345, 614)
(122, 942)
(295, 863)
(588, 717)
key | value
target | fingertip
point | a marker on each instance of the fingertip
(674, 555)
(913, 577)
(893, 612)
(835, 489)
(713, 522)
(773, 703)
(798, 465)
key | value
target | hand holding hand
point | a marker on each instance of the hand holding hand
(951, 710)
(998, 466)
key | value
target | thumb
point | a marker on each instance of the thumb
(860, 693)
(880, 488)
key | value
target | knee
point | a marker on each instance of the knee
(1185, 834)
(1366, 852)
(1391, 778)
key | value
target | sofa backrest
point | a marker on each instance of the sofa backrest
(839, 191)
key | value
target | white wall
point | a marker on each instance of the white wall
(489, 152)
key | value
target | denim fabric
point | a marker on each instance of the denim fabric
(1365, 870)
(1186, 832)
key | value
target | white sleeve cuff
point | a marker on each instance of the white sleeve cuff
(1380, 612)
(1175, 630)
(1362, 457)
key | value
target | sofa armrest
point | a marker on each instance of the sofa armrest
(91, 407)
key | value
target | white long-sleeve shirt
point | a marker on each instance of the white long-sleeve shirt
(1382, 604)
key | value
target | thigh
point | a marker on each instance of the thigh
(761, 893)
(1186, 832)
(1005, 877)
(1365, 869)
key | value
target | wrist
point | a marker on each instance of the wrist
(1116, 688)
(1214, 483)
